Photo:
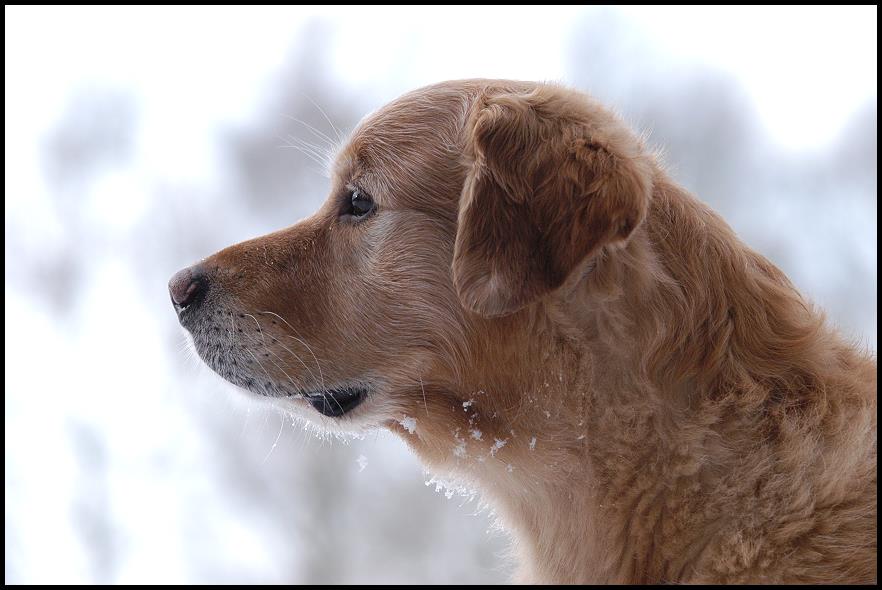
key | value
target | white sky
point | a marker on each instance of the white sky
(798, 64)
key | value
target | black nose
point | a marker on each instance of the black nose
(187, 287)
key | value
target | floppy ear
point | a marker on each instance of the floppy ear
(553, 177)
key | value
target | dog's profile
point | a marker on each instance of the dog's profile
(504, 276)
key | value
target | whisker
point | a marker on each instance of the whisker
(331, 143)
(268, 376)
(300, 360)
(323, 153)
(259, 330)
(287, 349)
(327, 118)
(184, 345)
(325, 398)
(276, 442)
(269, 350)
(314, 153)
(296, 387)
(320, 152)
(308, 150)
(317, 364)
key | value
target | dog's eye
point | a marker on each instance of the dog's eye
(359, 205)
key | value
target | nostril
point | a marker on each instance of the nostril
(186, 286)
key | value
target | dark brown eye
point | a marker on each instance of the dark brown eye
(360, 204)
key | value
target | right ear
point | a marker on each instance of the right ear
(553, 178)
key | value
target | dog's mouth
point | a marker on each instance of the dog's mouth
(337, 402)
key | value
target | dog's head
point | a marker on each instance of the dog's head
(456, 213)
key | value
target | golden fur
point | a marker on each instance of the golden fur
(541, 312)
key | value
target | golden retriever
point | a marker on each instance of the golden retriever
(505, 276)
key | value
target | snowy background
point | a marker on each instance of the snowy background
(138, 141)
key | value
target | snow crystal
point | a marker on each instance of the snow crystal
(362, 463)
(439, 485)
(468, 404)
(509, 468)
(476, 434)
(533, 443)
(408, 423)
(497, 444)
(453, 488)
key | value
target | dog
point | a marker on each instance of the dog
(507, 278)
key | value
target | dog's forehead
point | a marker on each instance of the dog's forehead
(412, 144)
(418, 120)
(429, 117)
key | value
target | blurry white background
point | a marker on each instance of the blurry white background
(140, 140)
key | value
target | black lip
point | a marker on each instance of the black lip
(336, 402)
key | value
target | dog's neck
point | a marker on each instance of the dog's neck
(579, 457)
(544, 448)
